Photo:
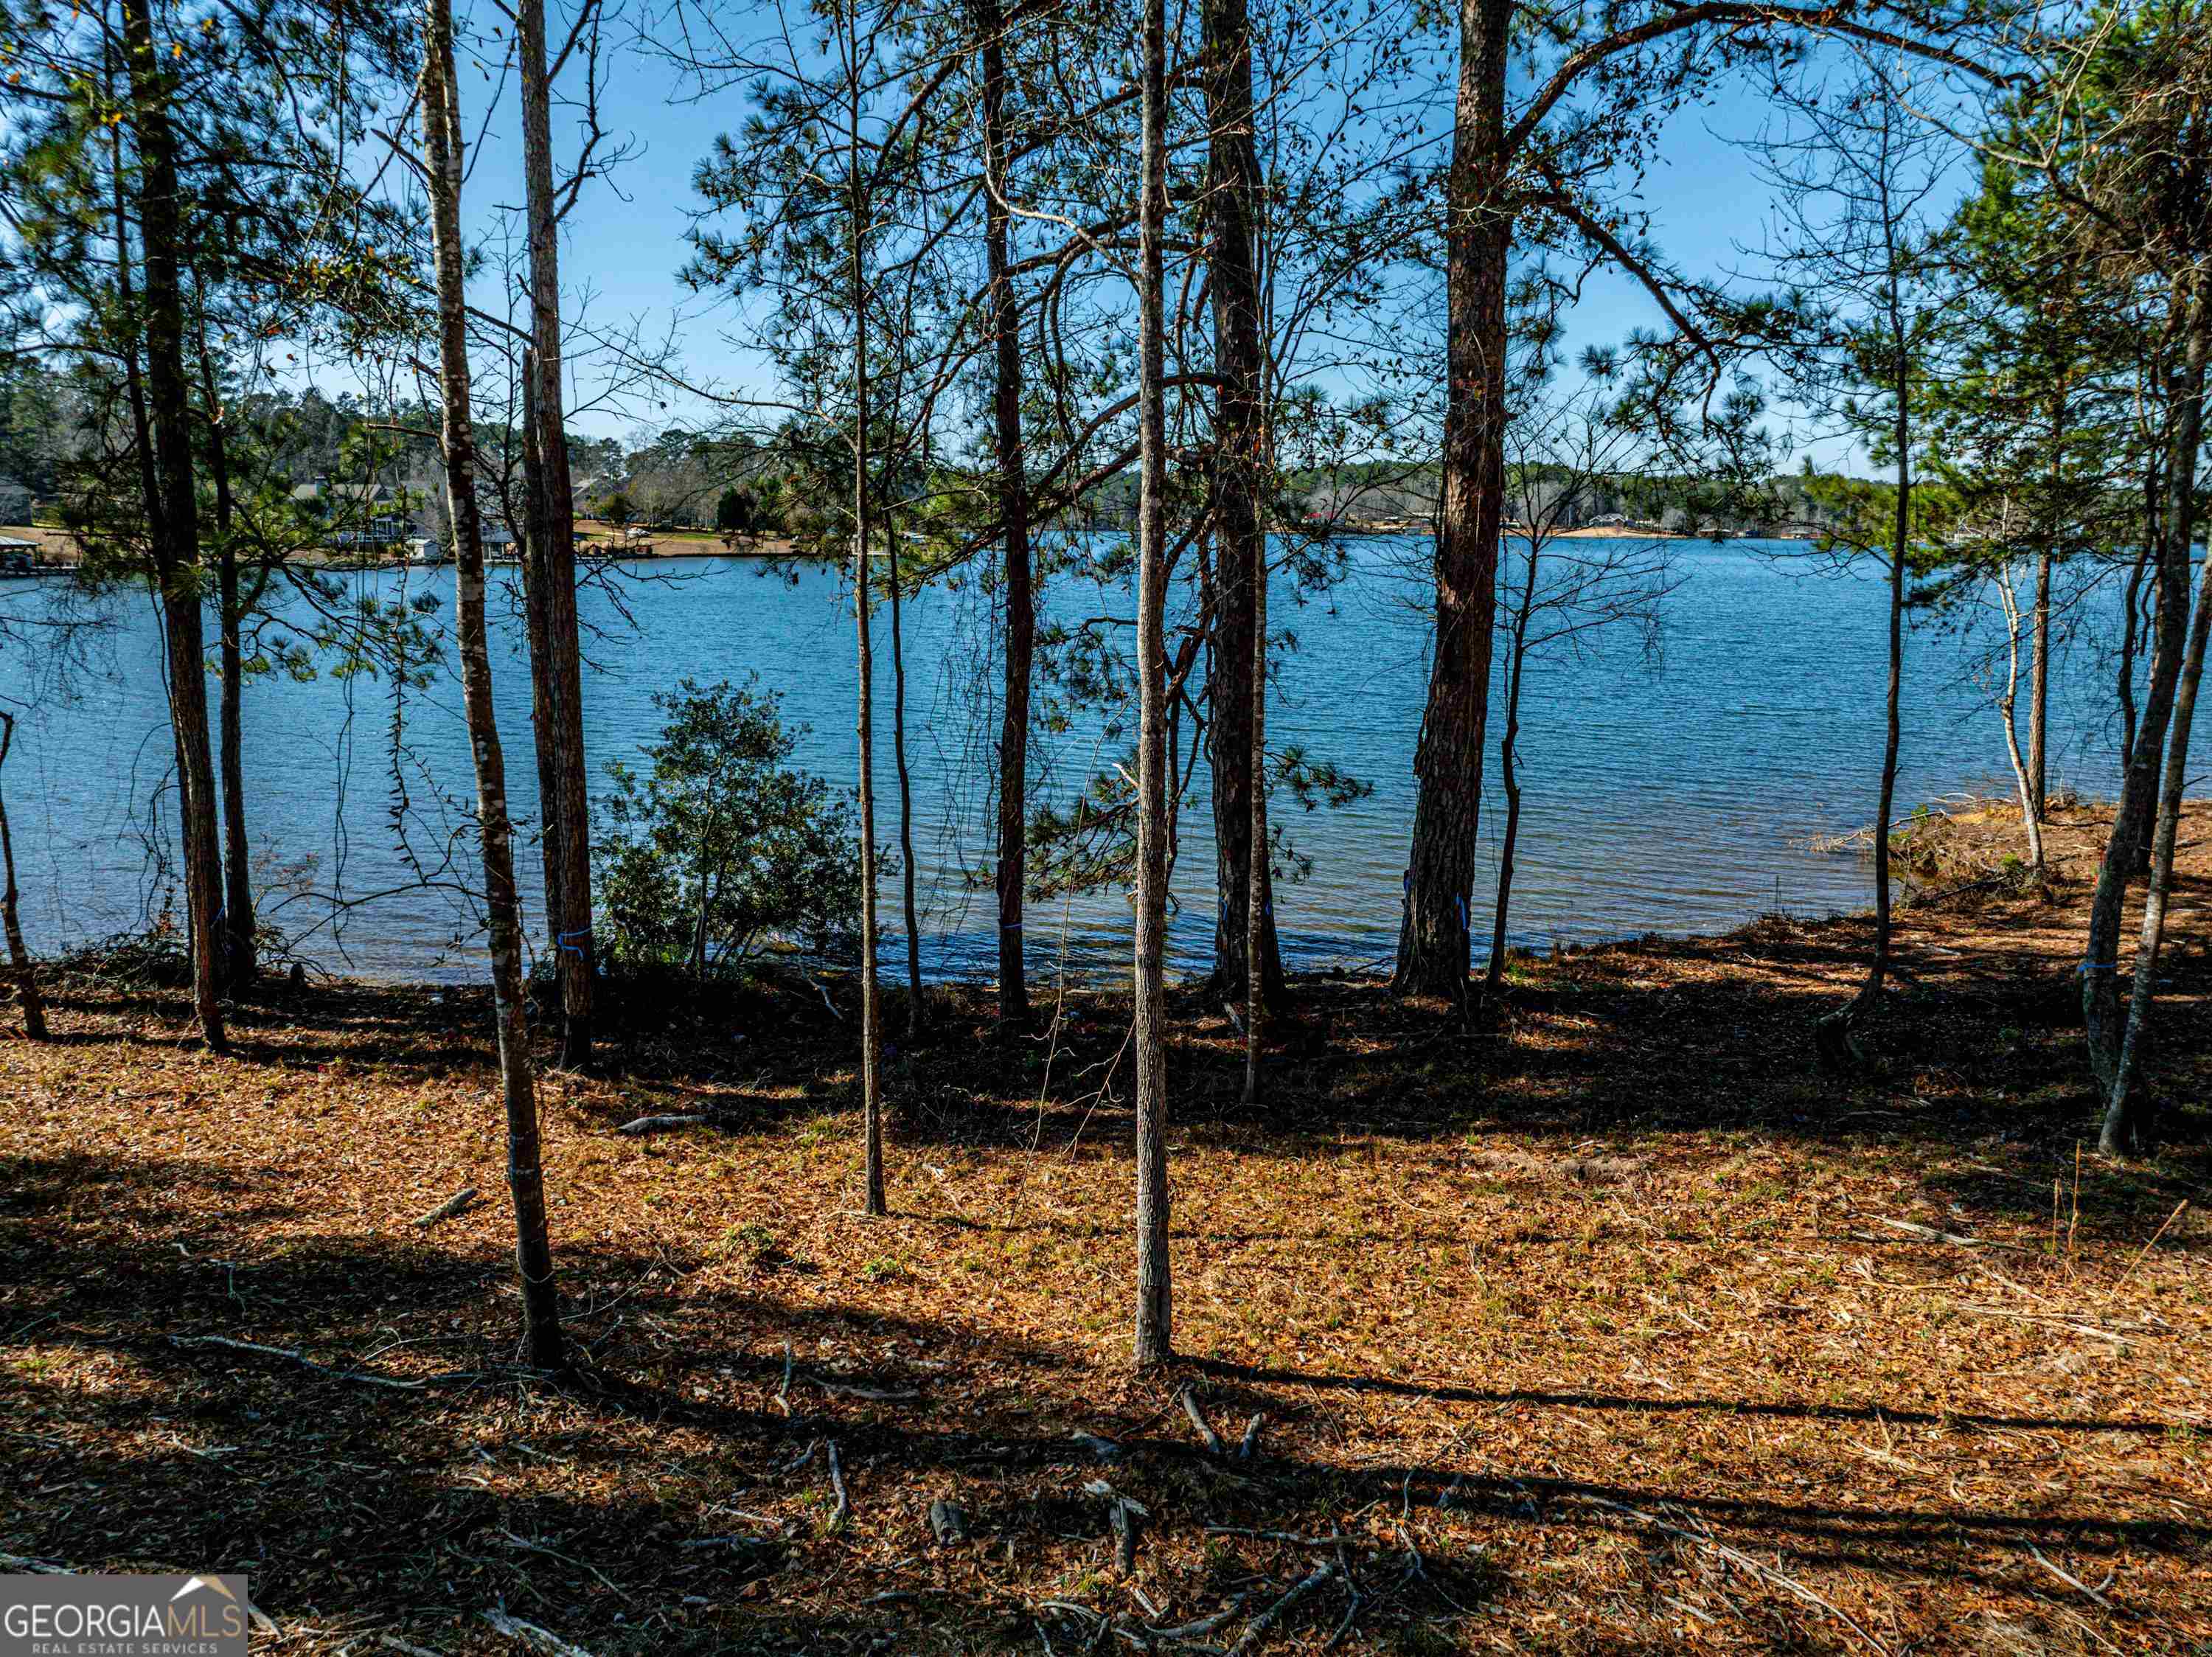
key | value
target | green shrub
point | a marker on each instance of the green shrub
(719, 845)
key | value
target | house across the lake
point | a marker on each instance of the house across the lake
(359, 514)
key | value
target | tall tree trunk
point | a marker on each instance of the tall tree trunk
(525, 1178)
(1155, 1323)
(1013, 527)
(538, 630)
(173, 533)
(18, 954)
(1508, 747)
(1432, 942)
(1833, 1032)
(1259, 916)
(2039, 691)
(2007, 709)
(239, 965)
(1234, 490)
(2143, 603)
(573, 951)
(2131, 633)
(154, 510)
(2101, 1017)
(151, 508)
(871, 1011)
(2128, 1125)
(909, 910)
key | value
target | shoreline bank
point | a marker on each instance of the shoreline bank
(1556, 1303)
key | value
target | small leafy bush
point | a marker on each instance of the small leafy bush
(719, 846)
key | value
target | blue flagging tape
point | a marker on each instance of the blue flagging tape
(561, 940)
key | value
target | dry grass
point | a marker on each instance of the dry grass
(1612, 1327)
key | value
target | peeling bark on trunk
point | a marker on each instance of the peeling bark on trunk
(18, 954)
(1155, 1321)
(1014, 528)
(1234, 502)
(441, 157)
(575, 955)
(1432, 942)
(174, 528)
(2101, 1015)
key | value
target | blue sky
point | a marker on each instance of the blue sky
(626, 241)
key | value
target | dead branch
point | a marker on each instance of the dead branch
(530, 1634)
(843, 1510)
(527, 1546)
(1205, 1432)
(2073, 1581)
(1743, 1561)
(645, 1124)
(459, 1203)
(1257, 1628)
(1186, 1632)
(301, 1359)
(1293, 1539)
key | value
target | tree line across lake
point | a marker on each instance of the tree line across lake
(1223, 283)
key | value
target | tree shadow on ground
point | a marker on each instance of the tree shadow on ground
(675, 1494)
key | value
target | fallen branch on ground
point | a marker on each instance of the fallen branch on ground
(530, 1634)
(2096, 1593)
(1258, 1626)
(529, 1546)
(1912, 1228)
(1211, 1439)
(844, 1507)
(306, 1362)
(459, 1203)
(1736, 1557)
(1295, 1540)
(645, 1124)
(1186, 1632)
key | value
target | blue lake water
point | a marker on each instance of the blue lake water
(1675, 794)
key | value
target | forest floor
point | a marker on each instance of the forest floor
(1612, 1326)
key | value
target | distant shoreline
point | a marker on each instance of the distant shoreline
(58, 549)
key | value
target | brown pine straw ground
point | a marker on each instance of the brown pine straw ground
(1615, 1328)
